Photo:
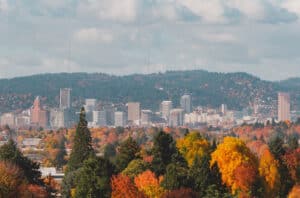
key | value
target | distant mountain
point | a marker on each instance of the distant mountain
(236, 90)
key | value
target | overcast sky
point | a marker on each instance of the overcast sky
(261, 37)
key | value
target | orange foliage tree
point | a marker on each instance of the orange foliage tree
(292, 160)
(149, 184)
(295, 192)
(229, 156)
(123, 187)
(192, 145)
(268, 170)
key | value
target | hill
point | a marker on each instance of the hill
(236, 90)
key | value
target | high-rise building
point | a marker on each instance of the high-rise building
(90, 104)
(176, 117)
(57, 118)
(146, 117)
(284, 107)
(99, 118)
(134, 113)
(186, 103)
(166, 107)
(39, 116)
(223, 109)
(120, 120)
(65, 98)
(8, 119)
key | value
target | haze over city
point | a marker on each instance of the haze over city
(260, 37)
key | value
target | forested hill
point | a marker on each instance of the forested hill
(237, 90)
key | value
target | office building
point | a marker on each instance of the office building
(39, 116)
(186, 103)
(176, 117)
(8, 119)
(284, 107)
(134, 113)
(90, 104)
(120, 120)
(99, 118)
(166, 107)
(57, 118)
(65, 98)
(146, 117)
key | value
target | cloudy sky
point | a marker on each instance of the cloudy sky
(261, 37)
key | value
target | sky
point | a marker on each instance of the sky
(261, 37)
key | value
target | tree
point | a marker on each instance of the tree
(229, 155)
(10, 153)
(82, 147)
(268, 170)
(276, 146)
(162, 151)
(149, 184)
(93, 179)
(292, 161)
(135, 167)
(122, 187)
(127, 151)
(295, 192)
(11, 179)
(179, 193)
(192, 145)
(293, 141)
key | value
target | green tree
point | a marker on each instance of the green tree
(82, 147)
(93, 179)
(163, 149)
(60, 157)
(293, 141)
(128, 151)
(135, 167)
(10, 153)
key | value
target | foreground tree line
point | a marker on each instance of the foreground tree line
(194, 165)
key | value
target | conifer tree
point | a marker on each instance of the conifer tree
(82, 147)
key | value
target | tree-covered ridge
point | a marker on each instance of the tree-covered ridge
(208, 88)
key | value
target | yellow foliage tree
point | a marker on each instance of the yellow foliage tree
(192, 145)
(230, 155)
(268, 170)
(295, 192)
(149, 184)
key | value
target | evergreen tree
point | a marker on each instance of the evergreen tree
(82, 147)
(163, 149)
(293, 141)
(93, 179)
(128, 151)
(276, 146)
(9, 152)
(60, 157)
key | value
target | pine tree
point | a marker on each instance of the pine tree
(128, 151)
(10, 153)
(163, 149)
(93, 179)
(82, 147)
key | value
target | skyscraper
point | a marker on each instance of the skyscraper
(65, 98)
(39, 116)
(284, 106)
(186, 103)
(166, 107)
(176, 117)
(119, 119)
(134, 112)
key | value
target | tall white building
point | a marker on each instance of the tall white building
(7, 119)
(284, 107)
(99, 118)
(146, 117)
(57, 118)
(186, 103)
(65, 98)
(134, 112)
(90, 104)
(120, 119)
(166, 107)
(176, 117)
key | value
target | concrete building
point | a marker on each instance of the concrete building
(133, 113)
(120, 120)
(90, 104)
(284, 107)
(65, 98)
(39, 116)
(223, 109)
(166, 107)
(22, 121)
(186, 103)
(99, 118)
(146, 117)
(8, 119)
(57, 118)
(176, 117)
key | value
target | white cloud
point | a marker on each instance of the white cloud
(4, 7)
(292, 6)
(253, 9)
(94, 35)
(219, 37)
(211, 11)
(116, 10)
